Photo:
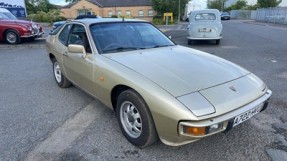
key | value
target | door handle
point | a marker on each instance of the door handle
(65, 53)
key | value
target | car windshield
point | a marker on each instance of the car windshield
(127, 36)
(205, 16)
(7, 16)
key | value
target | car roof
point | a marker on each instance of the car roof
(89, 21)
(206, 11)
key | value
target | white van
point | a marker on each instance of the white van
(204, 25)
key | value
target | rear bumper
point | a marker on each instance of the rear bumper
(204, 38)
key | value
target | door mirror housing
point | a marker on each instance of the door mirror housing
(74, 48)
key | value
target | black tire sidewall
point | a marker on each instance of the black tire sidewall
(146, 118)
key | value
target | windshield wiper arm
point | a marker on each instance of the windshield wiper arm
(158, 46)
(121, 49)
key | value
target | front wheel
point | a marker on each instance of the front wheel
(135, 119)
(61, 80)
(12, 37)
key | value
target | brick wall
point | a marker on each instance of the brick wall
(71, 13)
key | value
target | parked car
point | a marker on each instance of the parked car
(60, 23)
(57, 24)
(158, 89)
(204, 25)
(225, 16)
(13, 30)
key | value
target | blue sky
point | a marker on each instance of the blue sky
(58, 2)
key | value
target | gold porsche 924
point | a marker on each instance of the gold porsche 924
(159, 90)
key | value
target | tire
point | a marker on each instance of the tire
(135, 119)
(12, 37)
(217, 42)
(189, 42)
(61, 80)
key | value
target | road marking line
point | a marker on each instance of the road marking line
(229, 47)
(63, 136)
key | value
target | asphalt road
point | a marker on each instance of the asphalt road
(39, 121)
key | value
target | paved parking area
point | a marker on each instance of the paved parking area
(39, 121)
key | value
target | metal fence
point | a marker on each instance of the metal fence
(272, 15)
(243, 14)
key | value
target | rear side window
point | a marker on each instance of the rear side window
(205, 16)
(63, 37)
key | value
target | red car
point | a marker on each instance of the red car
(13, 30)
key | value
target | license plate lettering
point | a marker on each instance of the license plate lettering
(247, 115)
(204, 30)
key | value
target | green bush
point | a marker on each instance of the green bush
(51, 16)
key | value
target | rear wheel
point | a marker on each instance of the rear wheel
(217, 42)
(135, 119)
(61, 80)
(12, 37)
(189, 42)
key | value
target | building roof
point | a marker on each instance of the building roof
(116, 3)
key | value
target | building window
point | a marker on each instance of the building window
(128, 13)
(85, 12)
(110, 13)
(89, 13)
(150, 12)
(141, 13)
(119, 13)
(81, 12)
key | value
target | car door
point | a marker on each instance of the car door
(79, 68)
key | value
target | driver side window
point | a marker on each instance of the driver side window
(78, 36)
(64, 34)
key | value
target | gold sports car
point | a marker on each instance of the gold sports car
(159, 90)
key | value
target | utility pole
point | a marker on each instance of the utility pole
(178, 11)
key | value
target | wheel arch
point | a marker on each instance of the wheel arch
(116, 91)
(52, 56)
(10, 29)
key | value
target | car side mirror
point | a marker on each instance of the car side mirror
(74, 48)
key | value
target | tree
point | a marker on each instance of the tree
(34, 6)
(163, 6)
(241, 4)
(216, 4)
(268, 3)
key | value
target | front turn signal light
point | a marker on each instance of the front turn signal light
(195, 131)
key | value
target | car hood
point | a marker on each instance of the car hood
(179, 70)
(16, 21)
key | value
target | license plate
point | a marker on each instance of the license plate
(247, 115)
(204, 30)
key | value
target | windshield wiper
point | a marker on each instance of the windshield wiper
(121, 49)
(159, 46)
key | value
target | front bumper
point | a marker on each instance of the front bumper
(226, 119)
(28, 35)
